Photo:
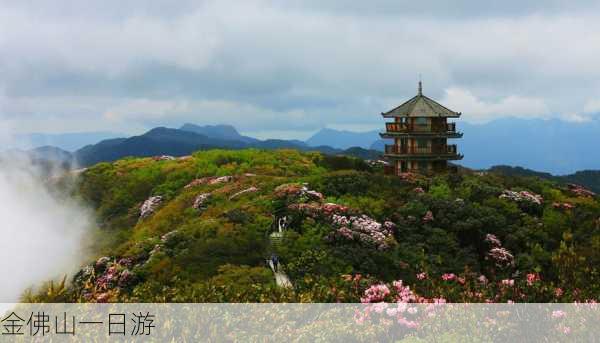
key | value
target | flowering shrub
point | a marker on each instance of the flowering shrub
(580, 191)
(499, 255)
(522, 196)
(563, 206)
(364, 230)
(103, 280)
(448, 276)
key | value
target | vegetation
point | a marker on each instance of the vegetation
(350, 233)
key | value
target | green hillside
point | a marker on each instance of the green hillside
(206, 227)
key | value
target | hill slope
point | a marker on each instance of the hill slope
(199, 229)
(587, 178)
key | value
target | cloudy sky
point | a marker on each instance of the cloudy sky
(288, 68)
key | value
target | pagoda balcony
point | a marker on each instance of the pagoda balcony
(448, 129)
(428, 152)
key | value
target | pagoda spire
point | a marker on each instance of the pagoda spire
(420, 88)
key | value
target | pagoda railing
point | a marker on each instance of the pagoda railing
(405, 127)
(429, 150)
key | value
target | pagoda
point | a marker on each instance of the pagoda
(420, 133)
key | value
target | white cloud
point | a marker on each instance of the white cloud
(592, 106)
(41, 234)
(478, 111)
(295, 66)
(576, 118)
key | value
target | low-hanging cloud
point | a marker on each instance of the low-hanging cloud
(41, 232)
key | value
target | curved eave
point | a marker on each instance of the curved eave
(419, 134)
(439, 115)
(424, 157)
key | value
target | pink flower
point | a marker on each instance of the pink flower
(566, 330)
(448, 276)
(531, 278)
(508, 282)
(422, 276)
(375, 293)
(558, 292)
(482, 279)
(558, 314)
(428, 217)
(461, 280)
(359, 317)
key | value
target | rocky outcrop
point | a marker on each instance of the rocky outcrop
(149, 206)
(247, 190)
(200, 201)
(163, 158)
(210, 180)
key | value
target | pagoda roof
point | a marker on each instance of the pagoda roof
(421, 106)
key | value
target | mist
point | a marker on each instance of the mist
(41, 231)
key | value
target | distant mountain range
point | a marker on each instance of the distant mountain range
(175, 142)
(557, 147)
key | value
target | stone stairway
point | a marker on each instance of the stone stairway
(275, 239)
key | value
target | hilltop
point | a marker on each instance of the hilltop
(200, 228)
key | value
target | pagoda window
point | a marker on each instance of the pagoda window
(421, 124)
(421, 121)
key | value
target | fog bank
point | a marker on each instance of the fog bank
(41, 234)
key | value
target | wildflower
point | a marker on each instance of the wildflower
(461, 280)
(422, 276)
(566, 330)
(482, 279)
(448, 276)
(558, 314)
